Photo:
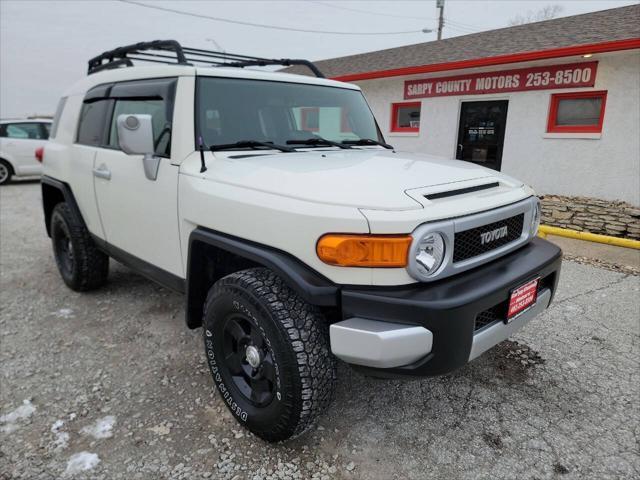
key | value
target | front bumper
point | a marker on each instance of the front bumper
(432, 329)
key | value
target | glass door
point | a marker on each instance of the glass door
(481, 132)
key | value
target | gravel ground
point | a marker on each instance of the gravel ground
(113, 382)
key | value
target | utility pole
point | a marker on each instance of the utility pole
(440, 5)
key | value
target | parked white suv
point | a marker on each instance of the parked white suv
(20, 141)
(298, 235)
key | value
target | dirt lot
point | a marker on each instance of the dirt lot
(117, 375)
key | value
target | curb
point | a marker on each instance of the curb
(589, 237)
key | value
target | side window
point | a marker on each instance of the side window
(25, 131)
(325, 121)
(405, 117)
(56, 118)
(161, 125)
(577, 112)
(93, 117)
(310, 119)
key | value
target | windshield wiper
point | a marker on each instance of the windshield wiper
(367, 141)
(317, 141)
(250, 144)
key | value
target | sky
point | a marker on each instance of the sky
(45, 45)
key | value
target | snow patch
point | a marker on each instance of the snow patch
(10, 420)
(64, 313)
(57, 425)
(101, 428)
(80, 462)
(61, 440)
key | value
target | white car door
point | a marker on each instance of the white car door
(19, 142)
(139, 215)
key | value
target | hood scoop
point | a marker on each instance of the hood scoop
(461, 191)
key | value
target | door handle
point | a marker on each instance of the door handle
(102, 172)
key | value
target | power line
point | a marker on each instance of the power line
(459, 32)
(464, 25)
(459, 29)
(331, 5)
(260, 25)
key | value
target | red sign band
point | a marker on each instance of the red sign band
(572, 75)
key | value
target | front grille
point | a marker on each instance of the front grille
(487, 318)
(468, 243)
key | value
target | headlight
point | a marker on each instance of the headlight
(429, 254)
(535, 219)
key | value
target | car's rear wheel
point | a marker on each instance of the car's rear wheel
(268, 352)
(80, 263)
(5, 172)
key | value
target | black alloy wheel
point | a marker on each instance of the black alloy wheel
(268, 352)
(249, 360)
(63, 249)
(81, 264)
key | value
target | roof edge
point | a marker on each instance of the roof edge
(600, 47)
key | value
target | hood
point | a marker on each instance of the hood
(363, 178)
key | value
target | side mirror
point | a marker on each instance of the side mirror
(135, 136)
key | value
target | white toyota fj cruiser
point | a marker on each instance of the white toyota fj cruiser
(296, 232)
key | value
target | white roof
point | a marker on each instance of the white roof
(154, 71)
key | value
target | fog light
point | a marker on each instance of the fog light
(535, 219)
(430, 253)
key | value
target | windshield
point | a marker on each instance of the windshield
(230, 110)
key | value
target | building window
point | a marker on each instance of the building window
(310, 119)
(578, 112)
(405, 117)
(345, 124)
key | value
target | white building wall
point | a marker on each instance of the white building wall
(603, 165)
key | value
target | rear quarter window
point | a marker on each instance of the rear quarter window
(53, 129)
(92, 124)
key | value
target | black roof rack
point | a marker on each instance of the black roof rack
(171, 52)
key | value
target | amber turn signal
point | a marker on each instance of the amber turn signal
(364, 250)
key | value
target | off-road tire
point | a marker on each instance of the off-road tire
(297, 340)
(87, 267)
(6, 172)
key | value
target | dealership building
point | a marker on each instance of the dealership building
(554, 103)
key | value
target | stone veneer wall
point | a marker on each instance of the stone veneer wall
(618, 219)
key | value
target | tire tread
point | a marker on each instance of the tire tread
(92, 263)
(308, 334)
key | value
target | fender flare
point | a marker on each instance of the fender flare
(313, 287)
(48, 205)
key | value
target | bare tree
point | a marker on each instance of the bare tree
(546, 13)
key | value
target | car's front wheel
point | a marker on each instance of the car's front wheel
(268, 352)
